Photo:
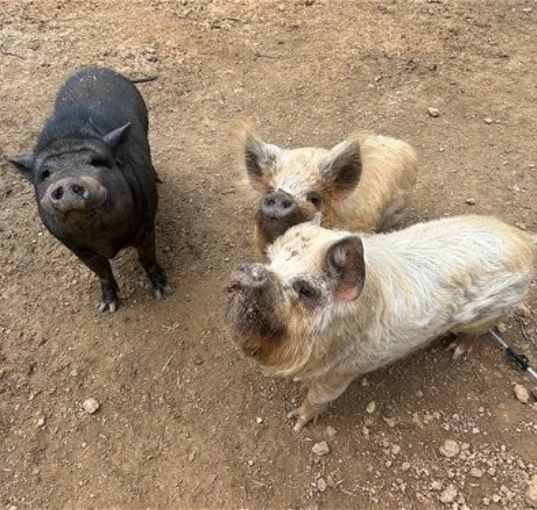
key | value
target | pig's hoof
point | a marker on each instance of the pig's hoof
(301, 421)
(461, 347)
(161, 291)
(108, 306)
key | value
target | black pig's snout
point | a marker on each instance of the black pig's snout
(278, 205)
(60, 191)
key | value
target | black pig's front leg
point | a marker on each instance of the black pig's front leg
(101, 267)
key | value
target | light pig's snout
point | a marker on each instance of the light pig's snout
(249, 276)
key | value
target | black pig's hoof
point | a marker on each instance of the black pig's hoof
(159, 282)
(111, 307)
(110, 301)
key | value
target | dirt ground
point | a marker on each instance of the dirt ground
(184, 420)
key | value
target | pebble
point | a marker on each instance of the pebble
(90, 405)
(502, 328)
(531, 492)
(450, 448)
(521, 393)
(371, 407)
(321, 448)
(259, 420)
(476, 472)
(487, 120)
(331, 432)
(448, 494)
(321, 484)
(470, 201)
(433, 112)
(436, 485)
(405, 466)
(396, 449)
(41, 422)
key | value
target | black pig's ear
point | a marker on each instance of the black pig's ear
(345, 264)
(24, 163)
(115, 137)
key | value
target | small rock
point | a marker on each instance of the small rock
(433, 112)
(41, 422)
(531, 492)
(476, 472)
(496, 498)
(523, 311)
(470, 201)
(259, 420)
(90, 405)
(486, 501)
(502, 328)
(250, 463)
(520, 225)
(487, 120)
(521, 393)
(371, 407)
(436, 485)
(391, 422)
(365, 382)
(449, 494)
(405, 466)
(321, 484)
(419, 394)
(527, 10)
(396, 449)
(321, 448)
(450, 448)
(330, 432)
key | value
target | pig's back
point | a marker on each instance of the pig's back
(442, 273)
(111, 99)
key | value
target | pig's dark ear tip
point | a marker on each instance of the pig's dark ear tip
(116, 136)
(23, 163)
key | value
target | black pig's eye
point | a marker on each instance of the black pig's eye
(314, 198)
(306, 291)
(99, 161)
(45, 174)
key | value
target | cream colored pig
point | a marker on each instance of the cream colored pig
(362, 184)
(331, 305)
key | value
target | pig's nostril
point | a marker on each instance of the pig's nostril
(286, 204)
(77, 189)
(270, 202)
(243, 268)
(57, 194)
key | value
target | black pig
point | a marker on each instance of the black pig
(94, 182)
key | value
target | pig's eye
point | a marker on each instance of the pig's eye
(314, 198)
(306, 292)
(99, 161)
(45, 174)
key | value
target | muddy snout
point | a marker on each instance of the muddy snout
(250, 277)
(74, 194)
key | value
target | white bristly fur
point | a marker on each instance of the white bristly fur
(459, 275)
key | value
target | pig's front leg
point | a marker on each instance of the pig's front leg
(101, 267)
(320, 393)
(148, 260)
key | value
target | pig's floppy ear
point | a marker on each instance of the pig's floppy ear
(341, 168)
(259, 159)
(118, 135)
(344, 263)
(24, 163)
